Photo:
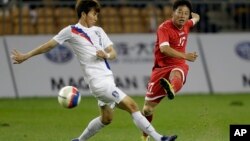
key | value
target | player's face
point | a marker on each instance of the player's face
(181, 15)
(91, 18)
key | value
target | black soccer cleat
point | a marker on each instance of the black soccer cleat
(169, 138)
(168, 88)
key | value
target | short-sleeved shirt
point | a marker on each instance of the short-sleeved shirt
(85, 42)
(169, 34)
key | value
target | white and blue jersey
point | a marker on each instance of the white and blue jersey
(96, 71)
(85, 42)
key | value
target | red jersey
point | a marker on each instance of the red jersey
(169, 34)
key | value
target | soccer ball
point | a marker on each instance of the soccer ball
(69, 97)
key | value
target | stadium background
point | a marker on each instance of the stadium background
(215, 96)
(221, 38)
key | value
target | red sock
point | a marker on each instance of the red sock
(176, 83)
(149, 118)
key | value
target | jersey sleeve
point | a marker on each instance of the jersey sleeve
(106, 41)
(190, 23)
(163, 37)
(63, 35)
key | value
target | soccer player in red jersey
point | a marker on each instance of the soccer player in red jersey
(170, 69)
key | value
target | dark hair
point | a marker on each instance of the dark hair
(85, 6)
(187, 3)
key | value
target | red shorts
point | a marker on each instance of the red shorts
(155, 92)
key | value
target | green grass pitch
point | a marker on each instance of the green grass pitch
(191, 117)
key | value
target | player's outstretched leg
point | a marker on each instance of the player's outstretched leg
(168, 88)
(169, 138)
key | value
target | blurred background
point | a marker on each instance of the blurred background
(18, 17)
(221, 38)
(215, 95)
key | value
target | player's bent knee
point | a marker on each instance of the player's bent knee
(106, 121)
(132, 107)
(129, 105)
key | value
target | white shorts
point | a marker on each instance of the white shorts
(106, 92)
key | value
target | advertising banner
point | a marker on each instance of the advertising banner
(45, 74)
(6, 81)
(222, 65)
(228, 59)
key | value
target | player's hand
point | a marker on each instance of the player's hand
(191, 56)
(101, 54)
(195, 17)
(17, 57)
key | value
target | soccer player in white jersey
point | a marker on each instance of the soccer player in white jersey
(93, 48)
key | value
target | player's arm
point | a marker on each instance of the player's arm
(108, 53)
(169, 51)
(195, 17)
(19, 57)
